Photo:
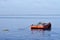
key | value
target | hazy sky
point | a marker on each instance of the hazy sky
(29, 7)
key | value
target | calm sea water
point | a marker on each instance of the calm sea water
(19, 29)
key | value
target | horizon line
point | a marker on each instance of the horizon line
(29, 16)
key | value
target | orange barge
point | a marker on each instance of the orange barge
(41, 26)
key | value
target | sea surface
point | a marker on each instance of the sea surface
(18, 28)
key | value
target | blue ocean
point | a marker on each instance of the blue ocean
(18, 28)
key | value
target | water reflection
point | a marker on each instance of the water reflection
(40, 30)
(41, 33)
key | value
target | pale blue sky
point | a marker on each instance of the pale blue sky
(29, 7)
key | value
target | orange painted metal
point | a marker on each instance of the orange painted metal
(37, 27)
